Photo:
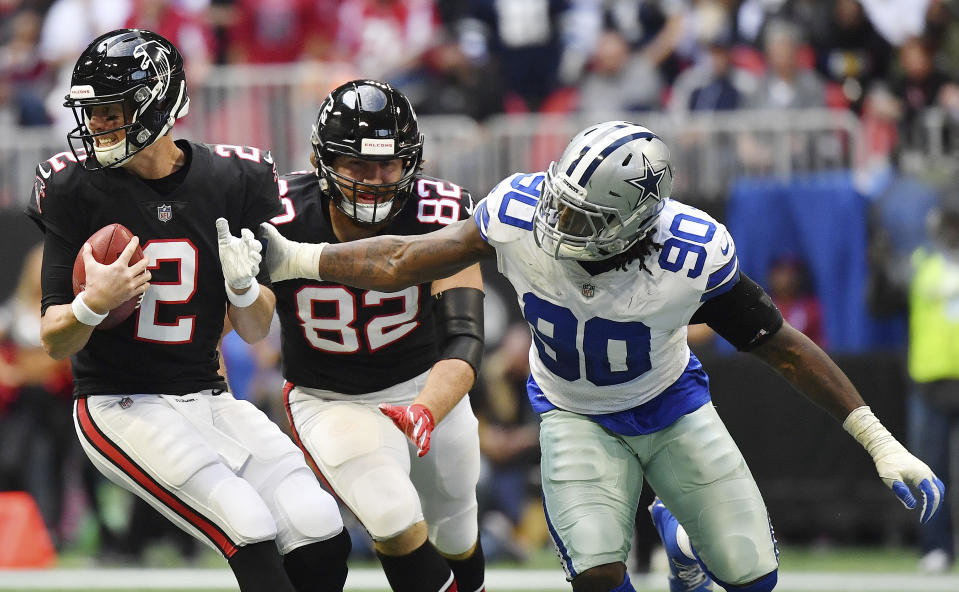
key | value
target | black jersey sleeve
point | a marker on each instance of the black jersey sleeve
(263, 194)
(744, 316)
(55, 208)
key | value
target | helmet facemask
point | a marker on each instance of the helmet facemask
(379, 201)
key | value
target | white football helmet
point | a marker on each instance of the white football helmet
(605, 192)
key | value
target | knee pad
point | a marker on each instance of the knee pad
(385, 501)
(304, 512)
(763, 584)
(244, 511)
(455, 535)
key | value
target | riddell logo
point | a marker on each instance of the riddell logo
(377, 147)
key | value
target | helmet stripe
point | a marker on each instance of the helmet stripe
(609, 150)
(587, 147)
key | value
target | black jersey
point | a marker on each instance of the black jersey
(346, 339)
(169, 344)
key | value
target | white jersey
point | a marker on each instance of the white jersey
(608, 342)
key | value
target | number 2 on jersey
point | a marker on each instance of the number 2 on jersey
(184, 254)
(614, 352)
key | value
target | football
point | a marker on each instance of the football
(107, 243)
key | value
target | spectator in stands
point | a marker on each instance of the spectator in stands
(786, 83)
(36, 435)
(509, 441)
(527, 41)
(453, 82)
(851, 53)
(385, 38)
(278, 32)
(23, 75)
(788, 280)
(933, 409)
(919, 86)
(713, 84)
(619, 79)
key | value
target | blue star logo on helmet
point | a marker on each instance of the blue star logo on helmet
(649, 182)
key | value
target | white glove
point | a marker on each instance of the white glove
(239, 257)
(896, 465)
(286, 259)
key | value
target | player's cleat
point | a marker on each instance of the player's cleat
(685, 573)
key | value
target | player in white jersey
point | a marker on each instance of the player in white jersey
(609, 271)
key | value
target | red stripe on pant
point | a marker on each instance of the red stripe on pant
(287, 389)
(116, 456)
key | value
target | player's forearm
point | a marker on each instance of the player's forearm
(252, 323)
(448, 382)
(810, 370)
(389, 263)
(61, 333)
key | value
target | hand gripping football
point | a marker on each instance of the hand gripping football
(108, 243)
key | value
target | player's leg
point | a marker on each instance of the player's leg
(145, 445)
(366, 461)
(699, 473)
(446, 479)
(591, 487)
(310, 533)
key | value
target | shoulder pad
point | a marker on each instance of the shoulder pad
(438, 201)
(506, 213)
(697, 248)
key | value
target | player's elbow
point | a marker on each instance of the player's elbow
(54, 350)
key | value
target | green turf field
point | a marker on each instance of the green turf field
(804, 569)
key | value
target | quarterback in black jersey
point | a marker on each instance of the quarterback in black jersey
(412, 353)
(151, 410)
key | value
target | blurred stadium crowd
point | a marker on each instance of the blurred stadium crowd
(890, 67)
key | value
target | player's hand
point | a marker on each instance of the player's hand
(239, 256)
(109, 286)
(897, 468)
(286, 259)
(415, 421)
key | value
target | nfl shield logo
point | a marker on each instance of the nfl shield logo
(588, 290)
(165, 212)
(125, 402)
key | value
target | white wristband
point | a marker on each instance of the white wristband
(84, 313)
(245, 299)
(869, 432)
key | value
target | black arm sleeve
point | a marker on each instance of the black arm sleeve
(744, 316)
(459, 325)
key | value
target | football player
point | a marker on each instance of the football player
(609, 271)
(354, 359)
(151, 410)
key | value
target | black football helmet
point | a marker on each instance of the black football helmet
(370, 120)
(138, 70)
